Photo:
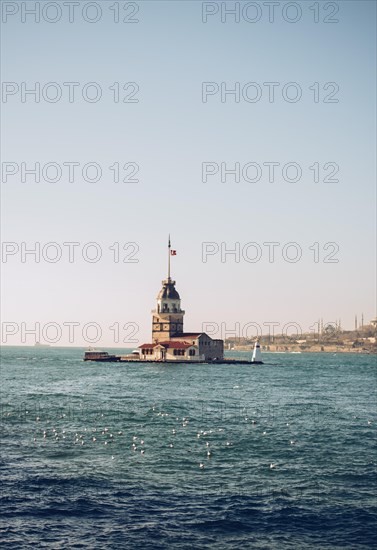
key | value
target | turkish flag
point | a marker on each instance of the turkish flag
(173, 252)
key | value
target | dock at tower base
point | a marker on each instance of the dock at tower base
(104, 357)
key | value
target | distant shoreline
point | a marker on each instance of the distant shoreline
(291, 349)
(273, 349)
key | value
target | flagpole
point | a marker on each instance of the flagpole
(169, 246)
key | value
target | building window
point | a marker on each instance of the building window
(191, 352)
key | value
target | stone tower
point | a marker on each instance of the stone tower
(167, 318)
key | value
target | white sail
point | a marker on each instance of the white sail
(257, 355)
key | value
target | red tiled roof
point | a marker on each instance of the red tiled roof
(187, 334)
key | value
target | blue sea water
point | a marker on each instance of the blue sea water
(74, 476)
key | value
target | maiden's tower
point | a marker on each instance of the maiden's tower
(169, 342)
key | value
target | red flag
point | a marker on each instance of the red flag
(173, 252)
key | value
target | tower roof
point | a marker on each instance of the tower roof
(168, 291)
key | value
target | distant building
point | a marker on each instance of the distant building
(169, 341)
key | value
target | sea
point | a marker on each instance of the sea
(178, 456)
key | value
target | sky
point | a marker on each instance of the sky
(152, 99)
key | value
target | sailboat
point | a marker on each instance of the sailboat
(257, 355)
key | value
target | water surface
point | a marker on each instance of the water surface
(74, 476)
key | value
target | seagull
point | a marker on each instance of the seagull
(207, 444)
(209, 453)
(201, 466)
(272, 466)
(292, 442)
(142, 451)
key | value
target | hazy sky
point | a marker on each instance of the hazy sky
(168, 134)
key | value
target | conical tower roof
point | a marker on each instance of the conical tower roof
(168, 291)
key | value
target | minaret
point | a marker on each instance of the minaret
(167, 318)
